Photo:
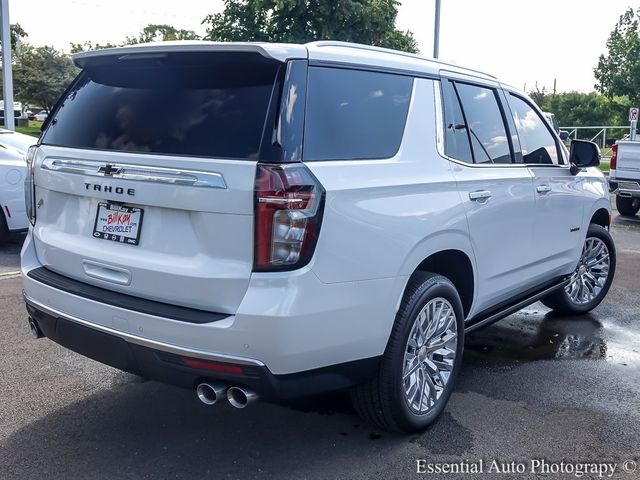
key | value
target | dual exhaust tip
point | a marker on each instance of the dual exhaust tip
(239, 397)
(34, 329)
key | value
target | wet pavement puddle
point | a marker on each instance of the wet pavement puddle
(537, 334)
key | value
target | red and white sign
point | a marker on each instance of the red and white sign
(633, 114)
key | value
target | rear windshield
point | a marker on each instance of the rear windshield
(197, 104)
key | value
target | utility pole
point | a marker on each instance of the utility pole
(7, 74)
(436, 31)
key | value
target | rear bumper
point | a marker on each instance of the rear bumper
(288, 324)
(164, 363)
(625, 188)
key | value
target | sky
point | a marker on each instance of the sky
(522, 42)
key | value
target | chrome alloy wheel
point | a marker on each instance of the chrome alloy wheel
(429, 355)
(591, 273)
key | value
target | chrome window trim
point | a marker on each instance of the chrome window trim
(440, 132)
(142, 173)
(439, 111)
(145, 342)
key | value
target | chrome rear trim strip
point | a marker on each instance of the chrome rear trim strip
(141, 173)
(626, 185)
(145, 342)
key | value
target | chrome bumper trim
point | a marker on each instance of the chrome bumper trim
(142, 173)
(145, 342)
(624, 188)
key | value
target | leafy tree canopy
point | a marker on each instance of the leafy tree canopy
(41, 74)
(89, 45)
(584, 109)
(161, 33)
(150, 33)
(369, 22)
(17, 34)
(618, 71)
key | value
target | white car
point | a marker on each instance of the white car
(303, 218)
(41, 116)
(13, 147)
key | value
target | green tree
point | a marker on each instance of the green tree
(41, 74)
(583, 109)
(150, 33)
(17, 34)
(161, 33)
(539, 96)
(89, 45)
(618, 71)
(369, 22)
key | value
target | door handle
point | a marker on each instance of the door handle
(543, 189)
(480, 195)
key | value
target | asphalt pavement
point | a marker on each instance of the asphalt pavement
(534, 386)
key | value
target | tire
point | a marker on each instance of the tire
(627, 207)
(383, 401)
(562, 300)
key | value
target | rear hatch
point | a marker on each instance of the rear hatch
(628, 164)
(145, 175)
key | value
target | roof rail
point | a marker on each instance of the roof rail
(335, 43)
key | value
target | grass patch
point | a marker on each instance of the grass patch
(604, 166)
(33, 129)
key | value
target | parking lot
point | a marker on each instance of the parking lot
(533, 386)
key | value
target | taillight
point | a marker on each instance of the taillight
(614, 157)
(288, 213)
(29, 186)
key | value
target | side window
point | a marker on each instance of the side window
(456, 136)
(353, 114)
(485, 124)
(537, 142)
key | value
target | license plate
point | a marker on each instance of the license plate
(118, 223)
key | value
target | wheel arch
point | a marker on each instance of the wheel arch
(597, 211)
(449, 254)
(601, 217)
(457, 267)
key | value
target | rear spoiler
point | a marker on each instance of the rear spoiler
(276, 51)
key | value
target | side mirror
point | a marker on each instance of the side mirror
(583, 154)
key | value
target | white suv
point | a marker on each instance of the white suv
(270, 220)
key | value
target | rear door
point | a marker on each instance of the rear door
(497, 194)
(558, 193)
(145, 175)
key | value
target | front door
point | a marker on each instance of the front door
(558, 193)
(496, 193)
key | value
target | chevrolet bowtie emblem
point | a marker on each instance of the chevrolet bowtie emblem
(109, 170)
